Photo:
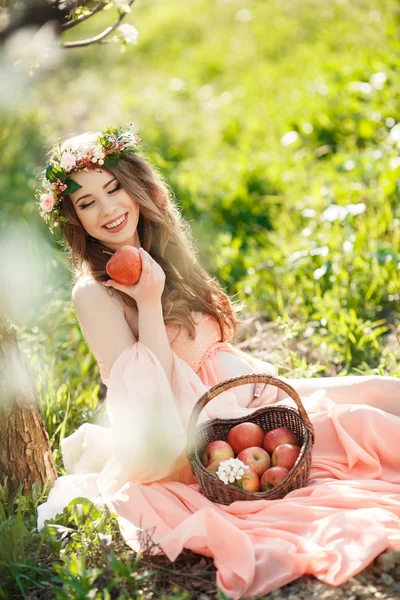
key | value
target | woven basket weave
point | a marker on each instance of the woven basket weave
(268, 417)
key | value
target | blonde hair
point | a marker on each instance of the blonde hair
(166, 236)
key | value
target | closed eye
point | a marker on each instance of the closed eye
(118, 187)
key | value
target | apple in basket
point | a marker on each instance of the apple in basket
(217, 450)
(272, 477)
(245, 435)
(213, 467)
(125, 265)
(285, 456)
(256, 458)
(278, 436)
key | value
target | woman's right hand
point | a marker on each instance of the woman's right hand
(148, 290)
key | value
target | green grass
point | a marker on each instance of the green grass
(306, 233)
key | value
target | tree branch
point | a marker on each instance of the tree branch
(82, 18)
(98, 38)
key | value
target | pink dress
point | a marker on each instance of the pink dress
(134, 462)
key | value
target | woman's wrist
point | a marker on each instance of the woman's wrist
(149, 305)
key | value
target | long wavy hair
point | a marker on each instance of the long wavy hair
(166, 236)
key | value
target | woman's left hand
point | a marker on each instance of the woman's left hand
(264, 394)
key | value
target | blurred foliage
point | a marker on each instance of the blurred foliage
(277, 126)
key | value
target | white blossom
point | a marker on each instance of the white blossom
(231, 470)
(129, 33)
(98, 154)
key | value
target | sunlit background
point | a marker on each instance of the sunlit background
(276, 124)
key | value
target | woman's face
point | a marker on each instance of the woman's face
(101, 201)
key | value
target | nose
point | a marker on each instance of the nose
(109, 208)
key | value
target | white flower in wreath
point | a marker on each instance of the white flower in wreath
(129, 139)
(98, 154)
(68, 161)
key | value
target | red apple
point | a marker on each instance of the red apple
(213, 467)
(125, 265)
(278, 436)
(250, 481)
(285, 456)
(272, 477)
(256, 458)
(245, 435)
(217, 450)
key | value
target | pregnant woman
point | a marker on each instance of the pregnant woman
(160, 344)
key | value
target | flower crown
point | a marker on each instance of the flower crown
(104, 150)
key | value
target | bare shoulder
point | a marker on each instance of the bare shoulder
(89, 291)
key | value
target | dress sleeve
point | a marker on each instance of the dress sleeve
(146, 433)
(101, 318)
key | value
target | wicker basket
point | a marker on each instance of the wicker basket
(268, 417)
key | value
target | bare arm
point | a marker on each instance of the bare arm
(153, 335)
(147, 293)
(102, 322)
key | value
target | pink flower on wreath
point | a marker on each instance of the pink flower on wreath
(46, 202)
(68, 161)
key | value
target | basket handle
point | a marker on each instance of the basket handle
(243, 380)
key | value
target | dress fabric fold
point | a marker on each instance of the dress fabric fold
(135, 464)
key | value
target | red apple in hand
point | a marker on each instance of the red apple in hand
(272, 477)
(285, 455)
(278, 436)
(245, 435)
(125, 266)
(217, 450)
(250, 481)
(256, 458)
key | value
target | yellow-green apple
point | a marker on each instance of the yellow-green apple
(272, 477)
(245, 435)
(213, 467)
(278, 436)
(285, 455)
(250, 481)
(125, 265)
(256, 458)
(217, 450)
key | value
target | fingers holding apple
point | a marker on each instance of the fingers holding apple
(125, 265)
(150, 280)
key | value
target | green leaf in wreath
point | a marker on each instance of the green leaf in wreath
(72, 186)
(111, 160)
(54, 172)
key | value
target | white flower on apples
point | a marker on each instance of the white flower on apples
(231, 470)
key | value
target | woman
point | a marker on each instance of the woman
(160, 344)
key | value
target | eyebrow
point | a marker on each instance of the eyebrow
(104, 187)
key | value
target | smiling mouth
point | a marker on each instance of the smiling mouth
(120, 226)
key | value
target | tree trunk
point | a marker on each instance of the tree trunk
(25, 452)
